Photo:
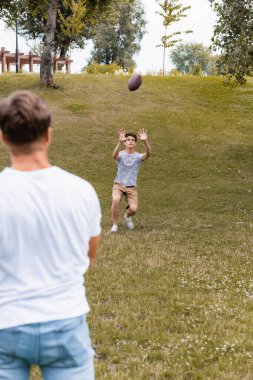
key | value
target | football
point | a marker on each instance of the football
(134, 82)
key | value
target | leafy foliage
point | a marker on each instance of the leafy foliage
(96, 68)
(10, 10)
(185, 57)
(233, 36)
(75, 20)
(72, 24)
(58, 23)
(172, 12)
(118, 34)
(197, 70)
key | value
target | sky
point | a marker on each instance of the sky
(200, 19)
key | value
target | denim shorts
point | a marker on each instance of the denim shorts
(61, 348)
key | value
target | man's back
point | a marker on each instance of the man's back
(47, 219)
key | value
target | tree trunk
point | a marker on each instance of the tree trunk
(65, 47)
(63, 52)
(164, 50)
(46, 65)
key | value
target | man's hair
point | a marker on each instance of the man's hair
(24, 118)
(132, 135)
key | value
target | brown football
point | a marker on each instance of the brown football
(134, 82)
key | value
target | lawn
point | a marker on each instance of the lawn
(172, 299)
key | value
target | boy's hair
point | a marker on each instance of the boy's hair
(24, 118)
(132, 135)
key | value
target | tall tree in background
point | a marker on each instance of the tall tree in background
(118, 34)
(46, 64)
(186, 56)
(57, 23)
(172, 11)
(233, 36)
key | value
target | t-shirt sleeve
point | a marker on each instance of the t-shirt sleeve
(119, 158)
(140, 158)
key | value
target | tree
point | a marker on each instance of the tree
(186, 56)
(171, 12)
(18, 9)
(233, 37)
(46, 64)
(75, 21)
(57, 23)
(118, 35)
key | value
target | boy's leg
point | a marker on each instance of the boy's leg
(132, 201)
(116, 197)
(66, 350)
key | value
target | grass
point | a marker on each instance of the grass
(172, 299)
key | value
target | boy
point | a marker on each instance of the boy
(125, 183)
(49, 235)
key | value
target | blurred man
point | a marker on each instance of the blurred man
(49, 235)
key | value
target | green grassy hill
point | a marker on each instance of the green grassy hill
(172, 299)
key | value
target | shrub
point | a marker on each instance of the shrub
(175, 73)
(197, 70)
(96, 68)
(213, 71)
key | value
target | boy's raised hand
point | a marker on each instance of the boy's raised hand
(142, 134)
(122, 137)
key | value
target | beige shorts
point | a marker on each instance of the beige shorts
(129, 192)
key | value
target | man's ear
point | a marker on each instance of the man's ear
(4, 138)
(48, 135)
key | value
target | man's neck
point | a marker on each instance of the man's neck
(130, 150)
(30, 162)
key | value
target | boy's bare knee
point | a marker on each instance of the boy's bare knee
(115, 201)
(132, 209)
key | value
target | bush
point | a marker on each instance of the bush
(175, 73)
(213, 71)
(96, 68)
(130, 71)
(197, 70)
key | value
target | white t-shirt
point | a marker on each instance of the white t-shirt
(47, 218)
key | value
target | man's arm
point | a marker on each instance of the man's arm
(122, 139)
(93, 247)
(142, 135)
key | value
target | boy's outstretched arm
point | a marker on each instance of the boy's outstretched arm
(122, 139)
(142, 135)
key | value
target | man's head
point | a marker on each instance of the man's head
(131, 140)
(130, 134)
(24, 119)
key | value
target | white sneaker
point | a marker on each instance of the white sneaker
(129, 222)
(114, 228)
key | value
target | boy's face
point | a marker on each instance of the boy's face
(130, 142)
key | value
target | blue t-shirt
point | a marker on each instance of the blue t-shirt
(128, 166)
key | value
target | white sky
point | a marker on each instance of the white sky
(200, 19)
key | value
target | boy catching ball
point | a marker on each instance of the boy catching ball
(125, 183)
